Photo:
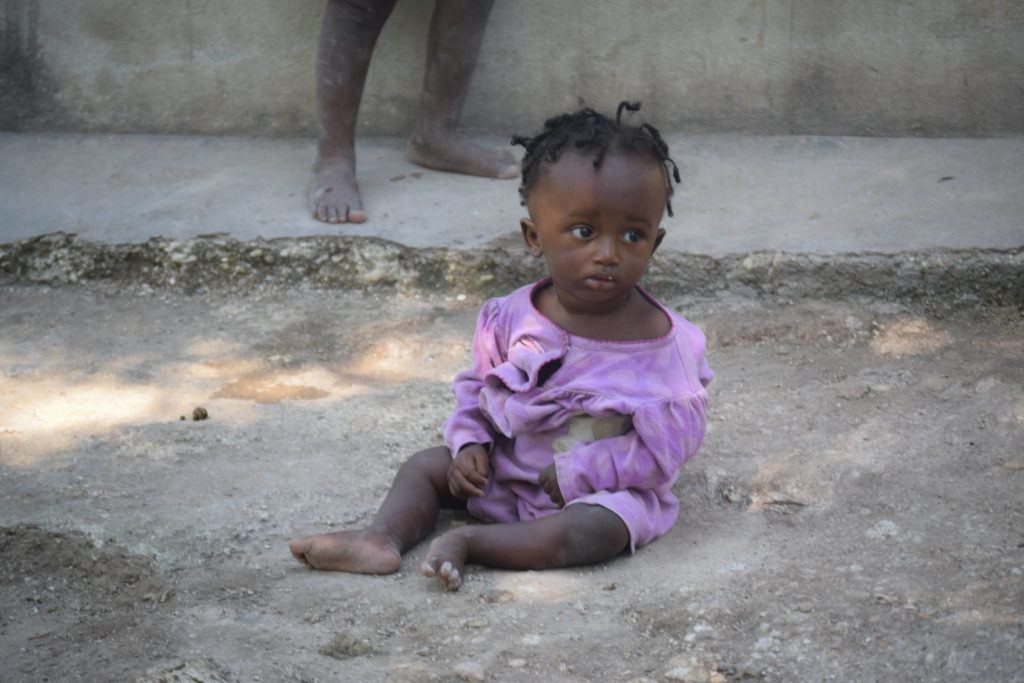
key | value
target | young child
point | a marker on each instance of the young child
(585, 396)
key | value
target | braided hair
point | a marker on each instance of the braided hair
(590, 132)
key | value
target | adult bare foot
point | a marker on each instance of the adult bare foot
(454, 153)
(361, 551)
(446, 559)
(333, 193)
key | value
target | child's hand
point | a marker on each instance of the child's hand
(548, 480)
(468, 471)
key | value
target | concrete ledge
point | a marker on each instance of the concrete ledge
(942, 276)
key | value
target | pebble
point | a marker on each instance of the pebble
(470, 671)
(884, 529)
(693, 671)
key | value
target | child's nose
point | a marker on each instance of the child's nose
(606, 251)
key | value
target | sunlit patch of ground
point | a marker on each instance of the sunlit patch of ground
(911, 337)
(400, 359)
(549, 587)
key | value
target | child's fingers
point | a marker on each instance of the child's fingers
(453, 485)
(475, 477)
(465, 486)
(470, 472)
(482, 463)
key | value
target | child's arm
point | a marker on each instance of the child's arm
(666, 434)
(468, 430)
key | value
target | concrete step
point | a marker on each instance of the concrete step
(946, 276)
(787, 216)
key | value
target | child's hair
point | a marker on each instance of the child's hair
(591, 132)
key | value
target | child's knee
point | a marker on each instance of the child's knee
(593, 534)
(430, 461)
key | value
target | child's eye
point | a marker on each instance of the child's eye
(632, 236)
(582, 231)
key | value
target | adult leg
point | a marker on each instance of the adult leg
(406, 516)
(578, 535)
(456, 31)
(347, 38)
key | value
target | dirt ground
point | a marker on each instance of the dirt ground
(856, 512)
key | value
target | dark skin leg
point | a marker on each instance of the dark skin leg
(579, 534)
(456, 32)
(347, 38)
(406, 516)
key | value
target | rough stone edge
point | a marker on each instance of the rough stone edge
(944, 276)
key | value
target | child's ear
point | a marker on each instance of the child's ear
(531, 238)
(658, 239)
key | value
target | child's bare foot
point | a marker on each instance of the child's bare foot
(361, 551)
(333, 193)
(453, 153)
(446, 559)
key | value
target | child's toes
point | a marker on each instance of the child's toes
(299, 547)
(429, 566)
(450, 576)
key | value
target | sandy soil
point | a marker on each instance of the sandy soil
(856, 512)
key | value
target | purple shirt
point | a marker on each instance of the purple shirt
(618, 418)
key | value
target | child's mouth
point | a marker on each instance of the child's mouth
(601, 281)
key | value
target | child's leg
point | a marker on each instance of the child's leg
(456, 31)
(347, 38)
(406, 516)
(579, 534)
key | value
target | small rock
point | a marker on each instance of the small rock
(517, 663)
(884, 529)
(187, 672)
(497, 596)
(200, 414)
(853, 390)
(470, 671)
(346, 646)
(532, 639)
(693, 671)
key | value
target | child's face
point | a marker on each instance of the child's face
(596, 228)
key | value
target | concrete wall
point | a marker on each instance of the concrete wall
(861, 67)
